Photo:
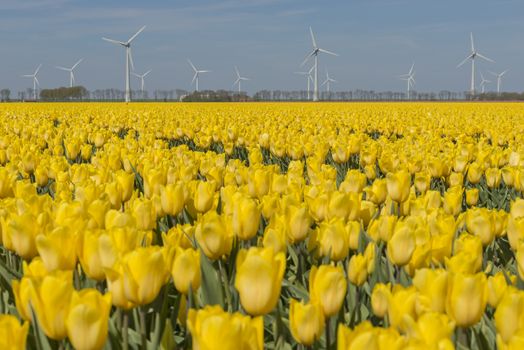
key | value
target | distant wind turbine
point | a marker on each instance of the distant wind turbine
(309, 78)
(71, 71)
(129, 58)
(474, 54)
(328, 81)
(410, 78)
(141, 77)
(197, 74)
(314, 53)
(239, 79)
(483, 83)
(499, 79)
(35, 80)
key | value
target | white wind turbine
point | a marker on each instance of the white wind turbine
(483, 83)
(141, 77)
(239, 79)
(499, 79)
(35, 80)
(410, 78)
(309, 78)
(71, 71)
(328, 81)
(314, 53)
(129, 58)
(474, 54)
(197, 74)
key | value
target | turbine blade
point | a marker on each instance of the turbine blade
(302, 73)
(465, 60)
(472, 44)
(146, 73)
(131, 59)
(27, 76)
(313, 38)
(37, 69)
(501, 74)
(114, 41)
(136, 34)
(192, 65)
(324, 83)
(307, 58)
(204, 71)
(495, 74)
(37, 82)
(194, 78)
(236, 82)
(77, 63)
(62, 68)
(236, 70)
(485, 58)
(328, 52)
(411, 69)
(136, 75)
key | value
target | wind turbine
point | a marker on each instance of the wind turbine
(483, 83)
(474, 54)
(129, 58)
(499, 79)
(141, 77)
(328, 81)
(239, 79)
(309, 78)
(71, 73)
(197, 74)
(314, 53)
(410, 78)
(35, 80)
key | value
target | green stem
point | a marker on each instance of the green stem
(225, 281)
(125, 332)
(143, 336)
(328, 335)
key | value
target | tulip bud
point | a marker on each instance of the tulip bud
(89, 255)
(259, 279)
(306, 321)
(186, 270)
(497, 287)
(14, 335)
(327, 285)
(298, 222)
(472, 196)
(235, 331)
(432, 284)
(453, 201)
(398, 185)
(213, 235)
(245, 218)
(204, 196)
(88, 319)
(173, 198)
(379, 299)
(466, 298)
(401, 246)
(508, 316)
(126, 183)
(480, 222)
(332, 239)
(144, 214)
(358, 269)
(51, 249)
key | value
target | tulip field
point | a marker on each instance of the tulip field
(262, 226)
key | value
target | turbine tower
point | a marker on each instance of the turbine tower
(71, 72)
(309, 78)
(239, 79)
(474, 54)
(141, 77)
(499, 79)
(129, 59)
(328, 81)
(35, 80)
(483, 83)
(197, 74)
(410, 78)
(314, 53)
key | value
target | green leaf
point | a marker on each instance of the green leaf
(212, 293)
(168, 340)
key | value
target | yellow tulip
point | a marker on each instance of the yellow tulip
(145, 272)
(306, 321)
(298, 223)
(471, 246)
(88, 252)
(97, 210)
(88, 319)
(474, 173)
(509, 314)
(50, 301)
(493, 177)
(117, 286)
(466, 298)
(398, 185)
(144, 214)
(380, 298)
(433, 285)
(234, 331)
(186, 270)
(358, 269)
(126, 183)
(115, 243)
(453, 201)
(327, 285)
(497, 287)
(118, 219)
(366, 337)
(259, 279)
(515, 228)
(432, 329)
(13, 336)
(480, 222)
(472, 196)
(51, 249)
(275, 237)
(6, 183)
(401, 303)
(204, 196)
(173, 197)
(343, 205)
(332, 239)
(245, 217)
(22, 233)
(401, 246)
(213, 235)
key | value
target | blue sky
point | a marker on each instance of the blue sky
(377, 40)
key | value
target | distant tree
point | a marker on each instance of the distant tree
(4, 94)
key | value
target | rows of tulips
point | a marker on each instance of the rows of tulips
(250, 226)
